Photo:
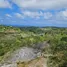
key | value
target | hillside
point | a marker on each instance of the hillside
(13, 38)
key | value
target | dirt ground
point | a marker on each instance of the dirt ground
(38, 62)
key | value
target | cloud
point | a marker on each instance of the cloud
(4, 4)
(47, 15)
(62, 15)
(32, 14)
(37, 15)
(8, 15)
(19, 15)
(41, 4)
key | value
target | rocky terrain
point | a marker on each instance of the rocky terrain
(25, 54)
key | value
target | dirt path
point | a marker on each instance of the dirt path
(39, 62)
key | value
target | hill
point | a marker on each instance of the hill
(13, 38)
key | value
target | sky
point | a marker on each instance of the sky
(33, 12)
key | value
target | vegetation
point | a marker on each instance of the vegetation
(12, 38)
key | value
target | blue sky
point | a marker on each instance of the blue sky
(33, 12)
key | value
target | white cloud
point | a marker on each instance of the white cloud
(47, 15)
(19, 15)
(37, 15)
(4, 4)
(32, 14)
(8, 15)
(41, 4)
(62, 15)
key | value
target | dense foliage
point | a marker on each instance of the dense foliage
(12, 38)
